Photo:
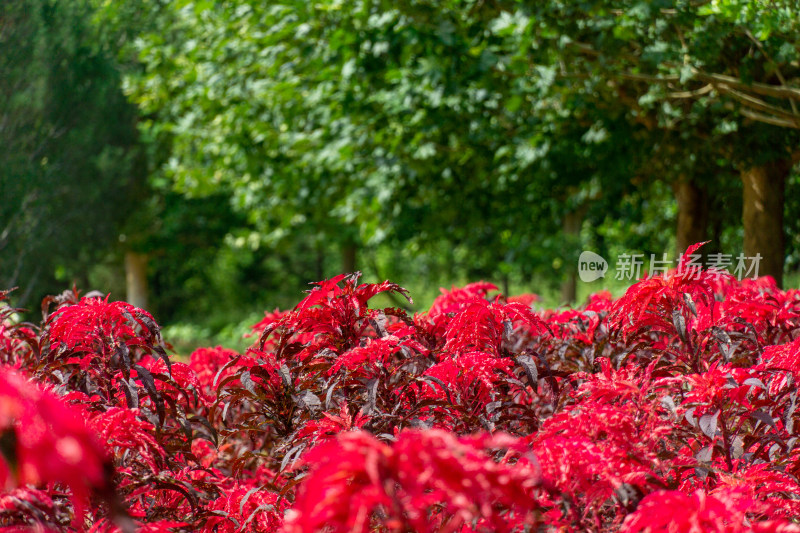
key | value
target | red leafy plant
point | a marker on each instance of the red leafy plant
(48, 454)
(423, 481)
(673, 408)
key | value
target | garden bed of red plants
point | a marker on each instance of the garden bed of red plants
(670, 409)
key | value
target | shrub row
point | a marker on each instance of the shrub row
(672, 408)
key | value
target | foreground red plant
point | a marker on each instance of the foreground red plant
(426, 480)
(673, 408)
(46, 448)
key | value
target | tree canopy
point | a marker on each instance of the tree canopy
(495, 139)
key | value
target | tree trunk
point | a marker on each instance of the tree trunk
(349, 257)
(692, 214)
(762, 217)
(136, 279)
(319, 264)
(572, 229)
(30, 285)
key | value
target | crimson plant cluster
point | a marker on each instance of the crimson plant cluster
(671, 409)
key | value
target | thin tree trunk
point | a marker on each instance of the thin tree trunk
(30, 285)
(693, 213)
(136, 279)
(319, 264)
(349, 257)
(762, 217)
(572, 229)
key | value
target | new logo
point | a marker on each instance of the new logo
(591, 266)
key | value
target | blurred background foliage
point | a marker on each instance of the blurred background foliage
(207, 160)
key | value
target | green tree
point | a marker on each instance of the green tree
(720, 76)
(68, 142)
(369, 122)
(495, 127)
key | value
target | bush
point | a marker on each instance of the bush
(670, 409)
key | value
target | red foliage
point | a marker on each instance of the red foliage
(671, 409)
(725, 512)
(45, 442)
(426, 480)
(94, 324)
